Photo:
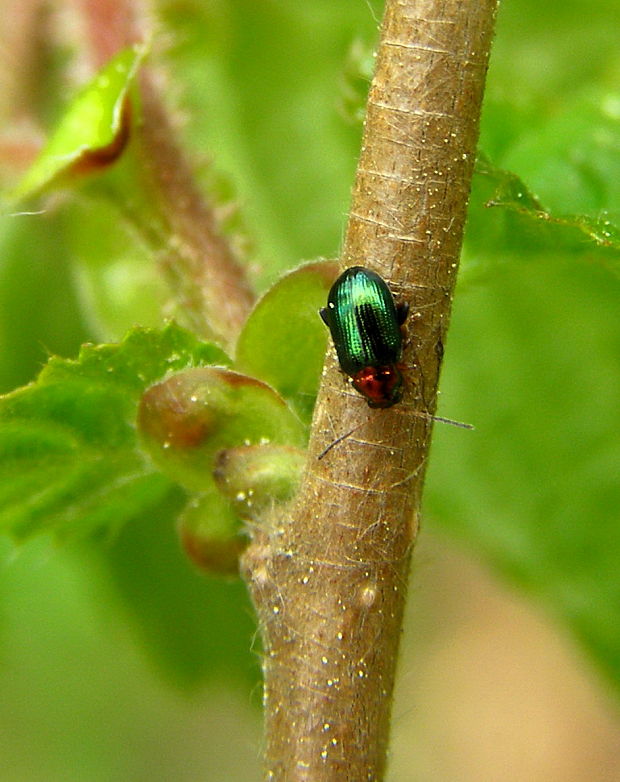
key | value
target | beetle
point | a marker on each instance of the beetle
(364, 321)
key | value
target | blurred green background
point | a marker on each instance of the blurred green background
(117, 660)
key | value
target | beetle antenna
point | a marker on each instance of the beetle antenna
(442, 420)
(428, 416)
(340, 439)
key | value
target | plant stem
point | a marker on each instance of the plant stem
(198, 261)
(329, 578)
(209, 284)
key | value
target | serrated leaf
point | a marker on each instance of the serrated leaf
(513, 194)
(553, 185)
(283, 341)
(93, 130)
(508, 224)
(70, 458)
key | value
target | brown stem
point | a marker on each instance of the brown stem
(209, 284)
(329, 579)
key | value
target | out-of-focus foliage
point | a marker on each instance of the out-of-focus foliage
(533, 357)
(92, 132)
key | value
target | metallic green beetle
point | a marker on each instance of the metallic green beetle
(365, 322)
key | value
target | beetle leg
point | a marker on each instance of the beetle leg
(402, 310)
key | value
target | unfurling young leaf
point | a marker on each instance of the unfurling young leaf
(93, 131)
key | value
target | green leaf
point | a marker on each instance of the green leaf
(186, 420)
(570, 155)
(507, 223)
(283, 341)
(92, 132)
(69, 457)
(567, 230)
(553, 184)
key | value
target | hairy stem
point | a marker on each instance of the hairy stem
(210, 288)
(329, 579)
